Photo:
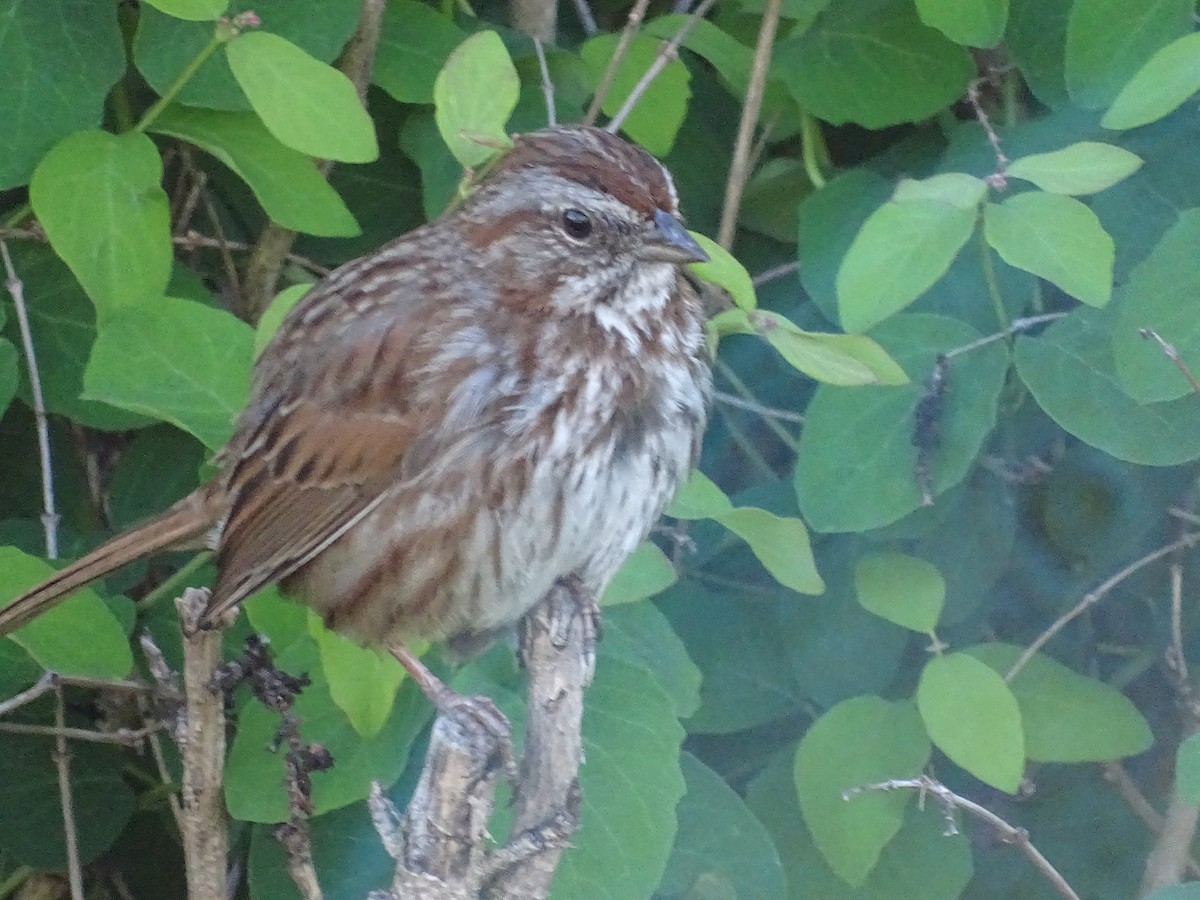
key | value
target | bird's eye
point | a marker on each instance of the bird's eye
(577, 223)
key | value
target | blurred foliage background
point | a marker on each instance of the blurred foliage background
(950, 474)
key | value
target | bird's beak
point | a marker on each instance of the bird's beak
(668, 241)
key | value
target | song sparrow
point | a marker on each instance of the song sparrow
(440, 430)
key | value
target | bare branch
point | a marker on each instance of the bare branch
(547, 84)
(950, 801)
(586, 19)
(739, 168)
(205, 837)
(16, 290)
(632, 25)
(666, 53)
(1172, 354)
(1187, 540)
(62, 762)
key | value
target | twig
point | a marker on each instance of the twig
(44, 685)
(126, 737)
(359, 56)
(767, 412)
(1116, 775)
(1014, 327)
(1009, 834)
(62, 762)
(1092, 597)
(1172, 354)
(1170, 855)
(586, 20)
(774, 273)
(728, 373)
(49, 515)
(205, 838)
(997, 180)
(632, 24)
(739, 168)
(231, 272)
(666, 53)
(547, 84)
(536, 18)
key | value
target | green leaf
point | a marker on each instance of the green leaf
(1187, 770)
(645, 573)
(1109, 40)
(975, 23)
(1160, 295)
(102, 800)
(305, 103)
(285, 181)
(860, 741)
(254, 779)
(1068, 717)
(1084, 167)
(725, 271)
(193, 10)
(164, 45)
(630, 739)
(856, 453)
(363, 681)
(471, 120)
(274, 314)
(99, 199)
(177, 361)
(921, 862)
(63, 326)
(973, 718)
(872, 63)
(1036, 40)
(901, 250)
(654, 122)
(1056, 238)
(1161, 86)
(61, 57)
(1070, 371)
(780, 543)
(640, 633)
(414, 43)
(719, 839)
(955, 188)
(54, 638)
(731, 58)
(699, 498)
(845, 359)
(901, 588)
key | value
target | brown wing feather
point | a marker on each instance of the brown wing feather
(313, 455)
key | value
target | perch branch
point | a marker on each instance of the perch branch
(632, 24)
(202, 745)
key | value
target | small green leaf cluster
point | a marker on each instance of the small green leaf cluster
(939, 427)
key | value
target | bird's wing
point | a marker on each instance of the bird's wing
(341, 411)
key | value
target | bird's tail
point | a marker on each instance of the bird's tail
(183, 525)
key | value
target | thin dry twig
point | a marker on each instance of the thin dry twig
(666, 53)
(632, 24)
(739, 168)
(774, 273)
(547, 84)
(62, 762)
(767, 412)
(1015, 327)
(586, 19)
(16, 290)
(998, 179)
(1009, 834)
(40, 688)
(1172, 354)
(126, 737)
(1092, 597)
(1116, 775)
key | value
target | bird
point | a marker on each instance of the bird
(442, 430)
